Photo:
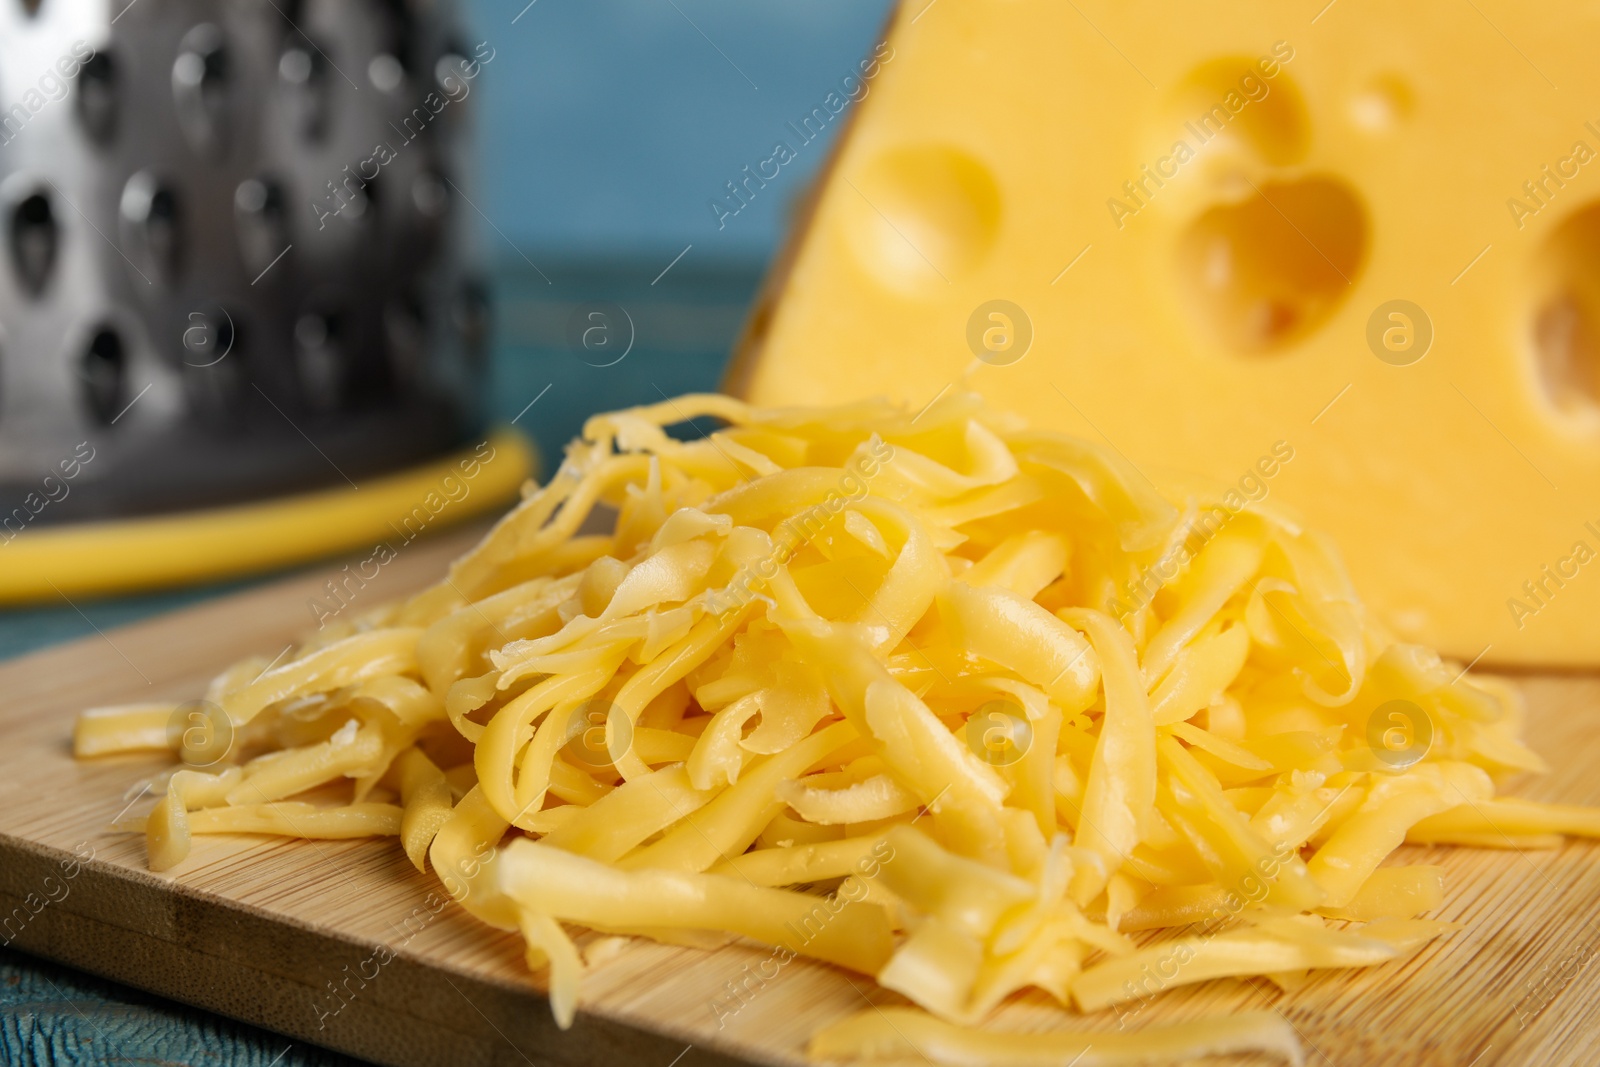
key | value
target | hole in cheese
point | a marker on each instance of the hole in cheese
(1566, 320)
(1383, 105)
(1230, 103)
(922, 216)
(1269, 269)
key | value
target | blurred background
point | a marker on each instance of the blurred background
(606, 131)
(601, 134)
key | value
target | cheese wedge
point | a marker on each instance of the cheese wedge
(1365, 236)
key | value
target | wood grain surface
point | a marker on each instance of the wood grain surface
(261, 928)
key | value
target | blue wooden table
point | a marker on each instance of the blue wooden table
(683, 327)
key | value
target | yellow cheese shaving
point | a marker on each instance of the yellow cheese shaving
(856, 684)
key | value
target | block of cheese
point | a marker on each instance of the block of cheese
(1213, 235)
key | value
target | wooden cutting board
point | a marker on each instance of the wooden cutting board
(262, 929)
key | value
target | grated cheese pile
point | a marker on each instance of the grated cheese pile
(932, 697)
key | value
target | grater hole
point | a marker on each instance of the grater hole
(200, 77)
(97, 97)
(35, 240)
(385, 73)
(303, 73)
(429, 194)
(319, 359)
(406, 336)
(453, 70)
(258, 206)
(103, 371)
(152, 218)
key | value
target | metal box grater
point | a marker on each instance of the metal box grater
(213, 283)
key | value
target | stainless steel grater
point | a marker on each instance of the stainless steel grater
(209, 282)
